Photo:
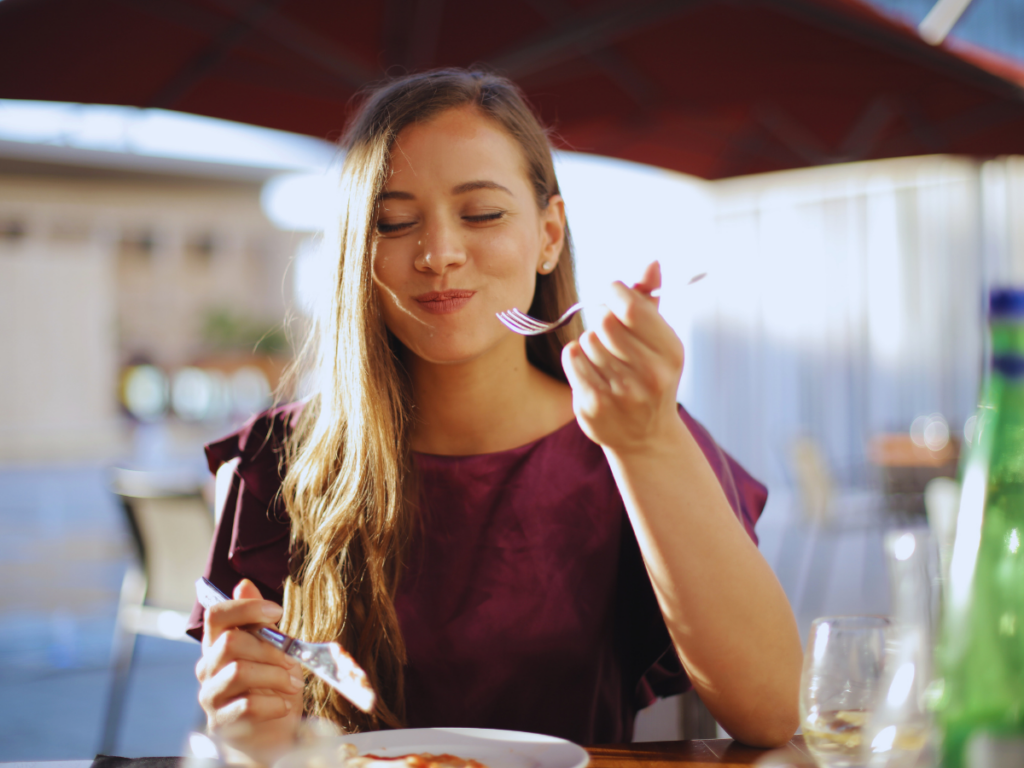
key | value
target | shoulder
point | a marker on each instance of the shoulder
(264, 432)
(746, 495)
(252, 535)
(259, 447)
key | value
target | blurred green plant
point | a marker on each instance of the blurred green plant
(225, 330)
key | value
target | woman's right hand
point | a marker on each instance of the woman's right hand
(251, 691)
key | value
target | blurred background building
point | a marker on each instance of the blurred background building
(103, 269)
(155, 268)
(144, 304)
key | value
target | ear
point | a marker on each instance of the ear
(552, 231)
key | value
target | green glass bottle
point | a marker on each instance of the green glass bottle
(982, 651)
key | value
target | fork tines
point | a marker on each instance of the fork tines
(522, 323)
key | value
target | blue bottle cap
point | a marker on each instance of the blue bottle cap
(1011, 366)
(1006, 302)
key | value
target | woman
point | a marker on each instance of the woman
(504, 532)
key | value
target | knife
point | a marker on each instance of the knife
(328, 661)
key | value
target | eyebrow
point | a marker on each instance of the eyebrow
(472, 186)
(461, 189)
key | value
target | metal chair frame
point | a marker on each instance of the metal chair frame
(134, 615)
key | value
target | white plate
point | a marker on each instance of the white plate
(493, 748)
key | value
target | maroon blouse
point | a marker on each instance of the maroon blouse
(526, 604)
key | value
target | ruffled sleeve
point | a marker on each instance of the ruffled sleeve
(746, 495)
(252, 537)
(651, 658)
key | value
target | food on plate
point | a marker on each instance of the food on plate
(348, 755)
(424, 760)
(352, 680)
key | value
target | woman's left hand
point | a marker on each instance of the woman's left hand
(625, 373)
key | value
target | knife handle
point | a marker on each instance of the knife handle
(209, 595)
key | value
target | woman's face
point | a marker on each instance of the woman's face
(460, 237)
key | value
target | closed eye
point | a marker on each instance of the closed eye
(390, 229)
(485, 217)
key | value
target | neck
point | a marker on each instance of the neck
(493, 403)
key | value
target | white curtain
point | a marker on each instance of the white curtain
(841, 302)
(853, 301)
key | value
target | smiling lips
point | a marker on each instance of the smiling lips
(444, 302)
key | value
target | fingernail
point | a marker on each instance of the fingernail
(296, 683)
(272, 610)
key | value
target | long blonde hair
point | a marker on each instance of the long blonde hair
(349, 486)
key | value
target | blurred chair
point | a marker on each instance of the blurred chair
(695, 720)
(821, 503)
(171, 526)
(810, 547)
(813, 480)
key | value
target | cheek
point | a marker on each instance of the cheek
(385, 262)
(508, 252)
(386, 276)
(391, 271)
(396, 318)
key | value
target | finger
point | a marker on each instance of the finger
(651, 279)
(640, 315)
(255, 708)
(237, 644)
(630, 305)
(220, 616)
(606, 362)
(246, 590)
(238, 613)
(243, 677)
(569, 368)
(622, 343)
(583, 377)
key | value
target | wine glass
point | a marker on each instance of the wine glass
(202, 750)
(841, 677)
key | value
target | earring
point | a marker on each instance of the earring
(547, 266)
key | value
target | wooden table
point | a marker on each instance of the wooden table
(674, 754)
(907, 468)
(653, 754)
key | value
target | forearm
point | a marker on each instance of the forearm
(727, 615)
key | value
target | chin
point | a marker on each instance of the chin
(447, 356)
(451, 351)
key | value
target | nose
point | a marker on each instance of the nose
(439, 248)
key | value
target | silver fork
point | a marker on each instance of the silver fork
(325, 660)
(523, 324)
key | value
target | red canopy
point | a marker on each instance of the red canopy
(709, 87)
